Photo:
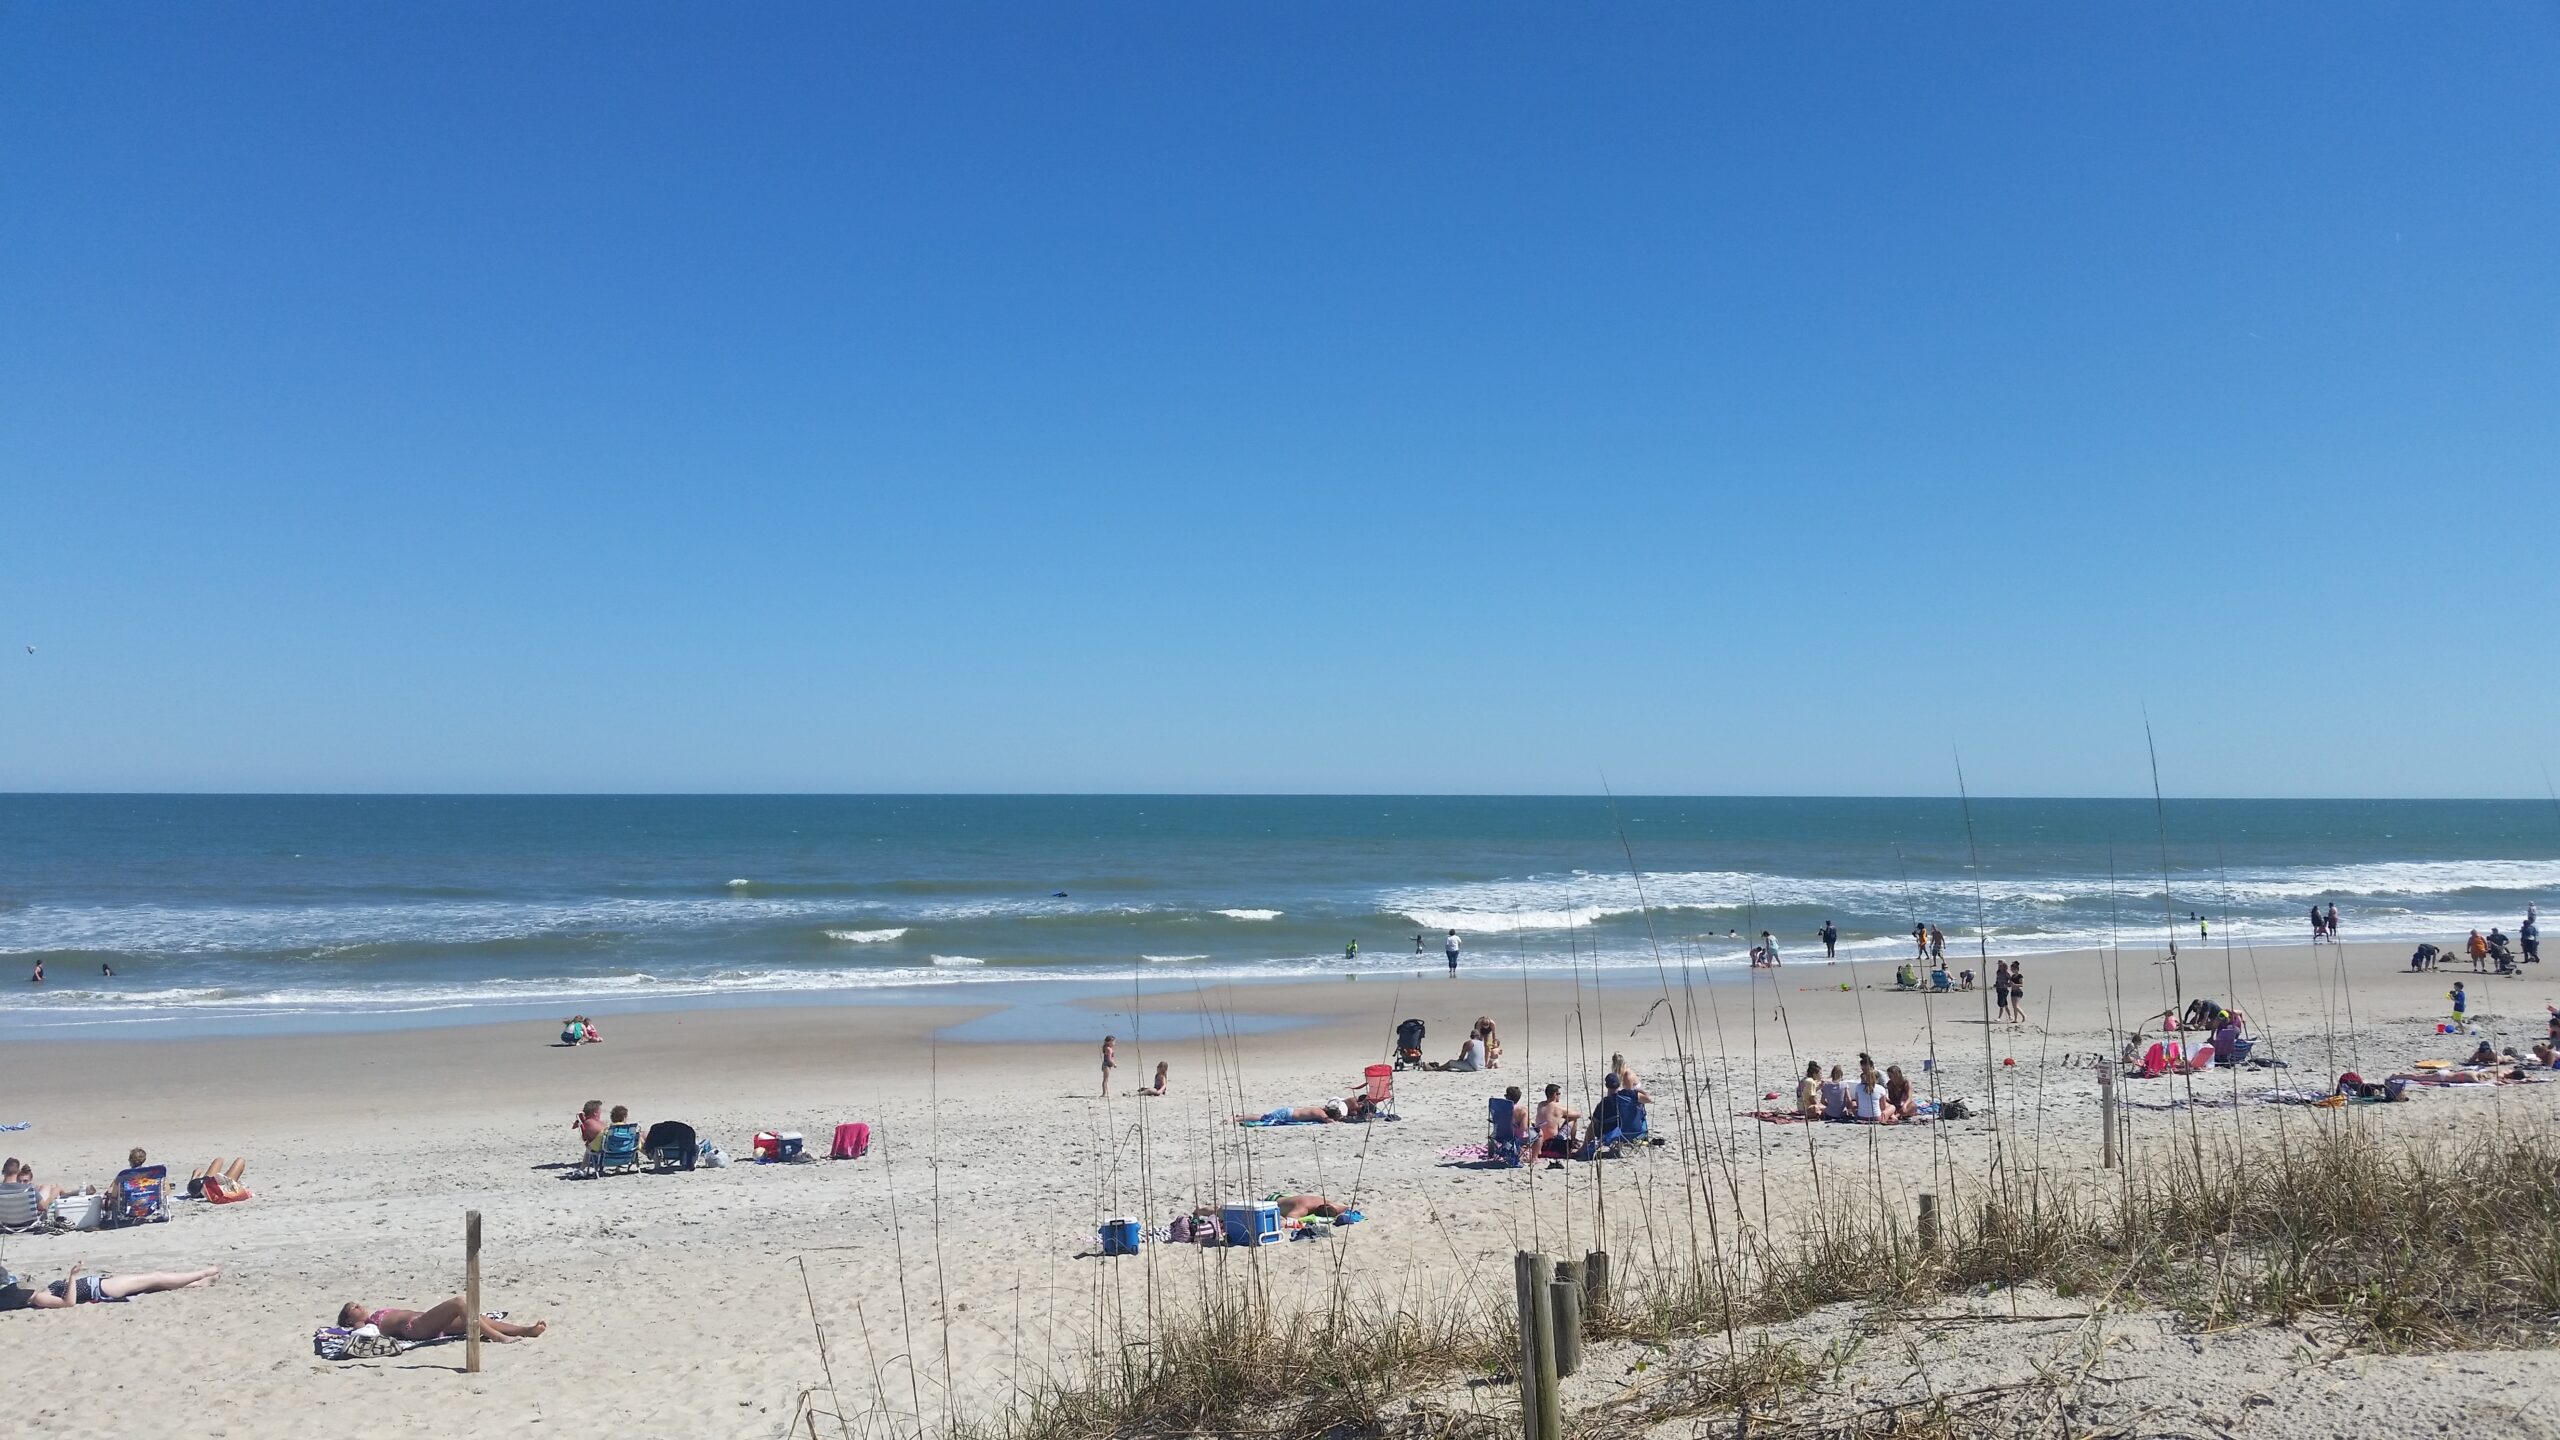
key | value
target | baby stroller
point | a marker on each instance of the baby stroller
(1409, 1045)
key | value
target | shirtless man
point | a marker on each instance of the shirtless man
(1556, 1122)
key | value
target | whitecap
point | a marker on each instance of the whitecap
(957, 960)
(1249, 914)
(1170, 959)
(866, 937)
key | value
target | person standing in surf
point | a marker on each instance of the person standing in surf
(2333, 922)
(1450, 946)
(1830, 934)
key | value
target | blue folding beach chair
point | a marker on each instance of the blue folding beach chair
(1503, 1144)
(135, 1197)
(619, 1150)
(21, 1210)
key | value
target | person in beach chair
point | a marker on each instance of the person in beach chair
(1409, 1045)
(1938, 978)
(1558, 1125)
(1510, 1127)
(671, 1145)
(136, 1197)
(17, 1172)
(436, 1322)
(618, 1148)
(1619, 1119)
(1904, 978)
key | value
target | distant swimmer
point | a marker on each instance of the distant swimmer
(1417, 944)
(106, 970)
(38, 977)
(1057, 894)
(1351, 951)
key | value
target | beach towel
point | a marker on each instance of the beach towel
(1466, 1152)
(1774, 1117)
(19, 1125)
(853, 1141)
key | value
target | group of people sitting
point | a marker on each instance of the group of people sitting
(218, 1180)
(1907, 977)
(1874, 1098)
(579, 1030)
(1561, 1133)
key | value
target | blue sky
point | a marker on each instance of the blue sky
(1307, 397)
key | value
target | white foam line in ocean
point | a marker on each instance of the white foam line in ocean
(867, 937)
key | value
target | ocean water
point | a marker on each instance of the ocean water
(313, 905)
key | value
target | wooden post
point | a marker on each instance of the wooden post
(1595, 1283)
(1928, 1224)
(1564, 1300)
(471, 1291)
(1524, 1279)
(2107, 1113)
(1542, 1279)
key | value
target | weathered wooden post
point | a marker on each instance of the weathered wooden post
(1524, 1272)
(471, 1291)
(1564, 1301)
(1928, 1224)
(1595, 1283)
(2107, 1113)
(1542, 1279)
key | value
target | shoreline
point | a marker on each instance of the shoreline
(1042, 996)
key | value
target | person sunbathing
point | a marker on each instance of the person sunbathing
(219, 1180)
(2545, 1056)
(78, 1289)
(438, 1322)
(1331, 1112)
(1292, 1207)
(2488, 1054)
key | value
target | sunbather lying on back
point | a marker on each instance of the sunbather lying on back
(1331, 1112)
(78, 1289)
(1292, 1207)
(435, 1323)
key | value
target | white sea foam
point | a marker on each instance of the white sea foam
(740, 884)
(1249, 914)
(957, 960)
(867, 937)
(1170, 959)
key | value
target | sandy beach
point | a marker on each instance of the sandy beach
(951, 1267)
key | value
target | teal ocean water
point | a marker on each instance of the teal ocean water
(281, 906)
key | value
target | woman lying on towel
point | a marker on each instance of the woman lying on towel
(436, 1323)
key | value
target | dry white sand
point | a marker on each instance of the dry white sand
(677, 1302)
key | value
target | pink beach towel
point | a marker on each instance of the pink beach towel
(852, 1142)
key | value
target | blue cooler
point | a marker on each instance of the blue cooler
(1120, 1236)
(1254, 1222)
(789, 1146)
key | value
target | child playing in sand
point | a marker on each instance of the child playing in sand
(1163, 1069)
(1110, 1062)
(2455, 995)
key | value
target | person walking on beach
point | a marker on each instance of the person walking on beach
(1110, 1062)
(2333, 922)
(2319, 926)
(2017, 992)
(2000, 989)
(2529, 935)
(1830, 934)
(1937, 943)
(1919, 941)
(1450, 945)
(1769, 948)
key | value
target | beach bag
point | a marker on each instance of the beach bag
(1955, 1110)
(329, 1343)
(713, 1158)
